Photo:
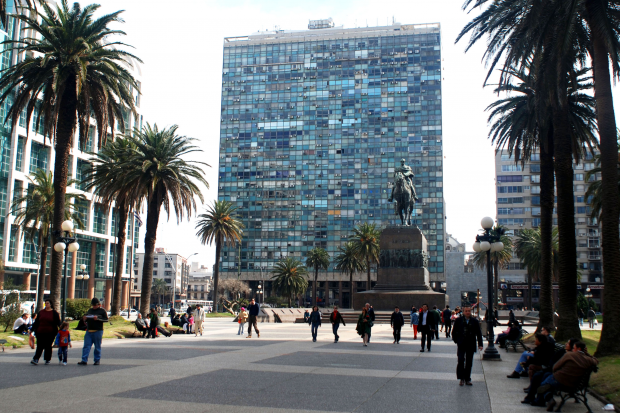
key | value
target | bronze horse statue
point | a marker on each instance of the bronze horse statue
(404, 197)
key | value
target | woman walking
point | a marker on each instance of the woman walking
(243, 318)
(45, 329)
(315, 321)
(154, 323)
(414, 321)
(364, 325)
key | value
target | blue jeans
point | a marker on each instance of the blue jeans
(554, 386)
(335, 330)
(62, 353)
(524, 356)
(581, 322)
(241, 325)
(315, 330)
(89, 340)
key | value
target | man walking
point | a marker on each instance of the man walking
(253, 309)
(199, 318)
(465, 334)
(94, 319)
(437, 316)
(447, 322)
(426, 326)
(371, 314)
(591, 317)
(397, 321)
(336, 318)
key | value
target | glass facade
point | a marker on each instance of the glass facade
(38, 157)
(100, 219)
(312, 125)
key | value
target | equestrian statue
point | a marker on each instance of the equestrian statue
(403, 192)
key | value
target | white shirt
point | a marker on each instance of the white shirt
(19, 322)
(424, 318)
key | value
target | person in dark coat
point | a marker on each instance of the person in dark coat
(465, 333)
(371, 314)
(447, 322)
(172, 313)
(540, 356)
(253, 310)
(591, 317)
(513, 333)
(315, 321)
(397, 321)
(437, 316)
(427, 325)
(45, 328)
(336, 318)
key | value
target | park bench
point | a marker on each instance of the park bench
(579, 392)
(518, 341)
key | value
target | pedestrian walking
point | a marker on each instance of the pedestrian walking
(364, 325)
(94, 319)
(336, 318)
(437, 316)
(190, 323)
(153, 323)
(581, 316)
(591, 317)
(315, 322)
(465, 334)
(447, 320)
(242, 319)
(427, 326)
(371, 314)
(172, 312)
(253, 310)
(63, 342)
(415, 316)
(32, 309)
(45, 328)
(199, 318)
(397, 321)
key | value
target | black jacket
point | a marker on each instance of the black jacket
(446, 316)
(431, 320)
(253, 309)
(371, 313)
(543, 354)
(397, 319)
(338, 319)
(315, 318)
(474, 333)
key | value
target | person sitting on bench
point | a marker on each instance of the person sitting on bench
(512, 333)
(141, 325)
(22, 324)
(566, 372)
(540, 356)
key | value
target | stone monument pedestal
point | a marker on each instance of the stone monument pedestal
(402, 277)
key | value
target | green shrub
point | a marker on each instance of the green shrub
(77, 307)
(8, 317)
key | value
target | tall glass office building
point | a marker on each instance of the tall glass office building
(313, 123)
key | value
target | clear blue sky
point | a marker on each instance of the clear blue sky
(181, 45)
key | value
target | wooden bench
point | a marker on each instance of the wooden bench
(579, 393)
(518, 341)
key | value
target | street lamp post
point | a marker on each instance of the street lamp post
(489, 242)
(65, 242)
(260, 293)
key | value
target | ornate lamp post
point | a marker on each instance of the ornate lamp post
(65, 242)
(259, 292)
(489, 242)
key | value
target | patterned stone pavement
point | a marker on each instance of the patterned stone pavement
(281, 371)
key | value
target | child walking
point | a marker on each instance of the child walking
(190, 327)
(63, 341)
(243, 318)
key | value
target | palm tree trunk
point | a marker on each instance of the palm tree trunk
(610, 211)
(368, 273)
(122, 210)
(67, 119)
(152, 222)
(351, 289)
(216, 271)
(43, 244)
(547, 201)
(567, 309)
(316, 276)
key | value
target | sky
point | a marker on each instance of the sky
(181, 45)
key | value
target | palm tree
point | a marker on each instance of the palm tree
(105, 175)
(499, 259)
(522, 124)
(34, 212)
(289, 278)
(16, 4)
(220, 224)
(156, 172)
(78, 71)
(528, 247)
(594, 194)
(366, 240)
(318, 259)
(159, 288)
(549, 33)
(348, 261)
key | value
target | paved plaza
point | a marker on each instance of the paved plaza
(283, 370)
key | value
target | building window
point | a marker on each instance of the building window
(19, 158)
(81, 211)
(100, 260)
(510, 178)
(100, 219)
(82, 168)
(13, 243)
(578, 177)
(509, 189)
(90, 138)
(512, 168)
(38, 157)
(31, 246)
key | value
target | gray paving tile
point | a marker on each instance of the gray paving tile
(343, 360)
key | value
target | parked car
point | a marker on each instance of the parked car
(132, 313)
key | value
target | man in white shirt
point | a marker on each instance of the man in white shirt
(22, 324)
(199, 318)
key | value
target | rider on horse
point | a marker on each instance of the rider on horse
(406, 171)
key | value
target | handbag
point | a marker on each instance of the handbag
(31, 341)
